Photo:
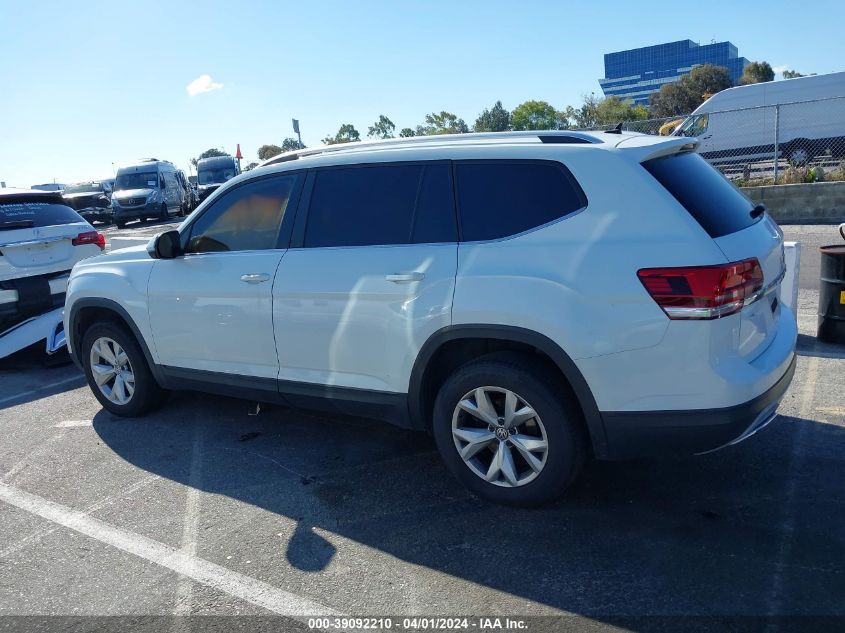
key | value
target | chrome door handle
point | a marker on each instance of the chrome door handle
(255, 278)
(400, 278)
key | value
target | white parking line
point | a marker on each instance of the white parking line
(205, 572)
(793, 467)
(24, 394)
(185, 590)
(66, 424)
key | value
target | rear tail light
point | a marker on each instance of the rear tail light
(703, 292)
(91, 237)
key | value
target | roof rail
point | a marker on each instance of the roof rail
(545, 136)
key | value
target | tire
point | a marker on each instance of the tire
(146, 394)
(163, 214)
(120, 224)
(556, 420)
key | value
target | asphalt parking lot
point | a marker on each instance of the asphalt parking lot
(204, 509)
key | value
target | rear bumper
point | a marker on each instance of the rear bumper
(632, 434)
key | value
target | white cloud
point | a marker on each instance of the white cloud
(203, 83)
(779, 69)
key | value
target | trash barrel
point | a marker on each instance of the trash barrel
(832, 295)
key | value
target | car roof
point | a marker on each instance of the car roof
(146, 162)
(442, 146)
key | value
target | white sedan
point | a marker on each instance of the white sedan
(41, 238)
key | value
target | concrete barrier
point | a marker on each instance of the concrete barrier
(813, 203)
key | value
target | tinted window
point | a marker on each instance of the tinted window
(248, 217)
(501, 198)
(27, 214)
(389, 204)
(718, 206)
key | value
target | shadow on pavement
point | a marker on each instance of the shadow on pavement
(756, 529)
(811, 346)
(30, 375)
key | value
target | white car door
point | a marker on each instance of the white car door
(211, 308)
(371, 276)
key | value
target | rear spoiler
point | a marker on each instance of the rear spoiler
(646, 147)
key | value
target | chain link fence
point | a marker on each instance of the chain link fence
(795, 142)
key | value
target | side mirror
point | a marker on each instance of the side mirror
(167, 245)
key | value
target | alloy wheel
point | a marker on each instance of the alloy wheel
(112, 370)
(499, 436)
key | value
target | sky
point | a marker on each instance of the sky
(88, 85)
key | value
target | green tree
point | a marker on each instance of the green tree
(496, 119)
(612, 110)
(291, 144)
(672, 100)
(684, 96)
(791, 74)
(268, 151)
(706, 79)
(346, 134)
(209, 153)
(534, 115)
(405, 132)
(251, 166)
(383, 128)
(442, 123)
(756, 73)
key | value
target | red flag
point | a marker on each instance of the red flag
(238, 154)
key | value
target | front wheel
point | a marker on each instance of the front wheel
(117, 371)
(507, 434)
(163, 215)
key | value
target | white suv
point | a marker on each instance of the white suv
(532, 299)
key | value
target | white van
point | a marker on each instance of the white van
(739, 124)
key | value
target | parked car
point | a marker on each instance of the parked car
(189, 201)
(41, 238)
(497, 290)
(146, 189)
(213, 172)
(50, 186)
(92, 200)
(739, 124)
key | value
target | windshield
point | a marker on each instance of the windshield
(212, 176)
(85, 187)
(694, 126)
(136, 180)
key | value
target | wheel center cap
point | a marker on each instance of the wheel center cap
(502, 433)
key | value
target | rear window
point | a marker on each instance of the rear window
(22, 215)
(718, 206)
(502, 198)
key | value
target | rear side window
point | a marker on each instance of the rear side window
(501, 198)
(381, 204)
(718, 206)
(22, 215)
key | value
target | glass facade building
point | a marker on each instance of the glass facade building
(637, 73)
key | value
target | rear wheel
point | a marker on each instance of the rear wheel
(799, 154)
(507, 434)
(120, 224)
(117, 370)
